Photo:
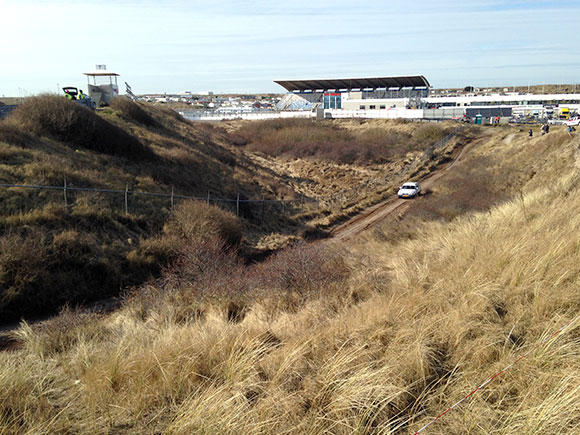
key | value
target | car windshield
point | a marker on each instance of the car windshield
(408, 186)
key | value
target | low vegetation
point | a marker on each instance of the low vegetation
(77, 126)
(375, 337)
(483, 182)
(50, 141)
(133, 112)
(85, 247)
(327, 140)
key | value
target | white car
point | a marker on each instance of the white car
(410, 189)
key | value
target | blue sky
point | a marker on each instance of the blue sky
(242, 46)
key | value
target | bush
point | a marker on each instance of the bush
(302, 269)
(39, 273)
(196, 220)
(300, 138)
(77, 126)
(207, 274)
(133, 112)
(203, 273)
(429, 134)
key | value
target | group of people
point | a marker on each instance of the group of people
(546, 129)
(73, 96)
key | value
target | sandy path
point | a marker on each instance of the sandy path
(380, 211)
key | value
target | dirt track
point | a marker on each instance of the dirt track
(380, 211)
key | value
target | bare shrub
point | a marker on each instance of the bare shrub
(429, 133)
(197, 220)
(473, 188)
(21, 269)
(40, 271)
(77, 126)
(202, 260)
(300, 138)
(204, 272)
(302, 268)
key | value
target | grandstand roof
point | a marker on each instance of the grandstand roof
(352, 83)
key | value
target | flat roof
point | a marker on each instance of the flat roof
(354, 83)
(101, 72)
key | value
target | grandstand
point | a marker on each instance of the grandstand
(334, 93)
(410, 97)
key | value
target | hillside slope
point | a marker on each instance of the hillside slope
(71, 247)
(378, 340)
(54, 254)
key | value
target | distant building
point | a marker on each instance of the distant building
(411, 97)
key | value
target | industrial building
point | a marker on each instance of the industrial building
(410, 97)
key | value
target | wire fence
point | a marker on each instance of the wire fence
(286, 205)
(127, 197)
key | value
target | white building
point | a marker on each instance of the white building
(410, 97)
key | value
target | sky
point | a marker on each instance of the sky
(235, 46)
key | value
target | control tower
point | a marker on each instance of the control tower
(104, 85)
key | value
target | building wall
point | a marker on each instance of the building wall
(368, 104)
(385, 114)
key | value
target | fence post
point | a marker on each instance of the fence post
(208, 197)
(172, 205)
(65, 198)
(126, 199)
(283, 206)
(238, 205)
(317, 205)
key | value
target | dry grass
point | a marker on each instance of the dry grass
(133, 112)
(49, 139)
(485, 178)
(330, 141)
(77, 126)
(193, 220)
(411, 329)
